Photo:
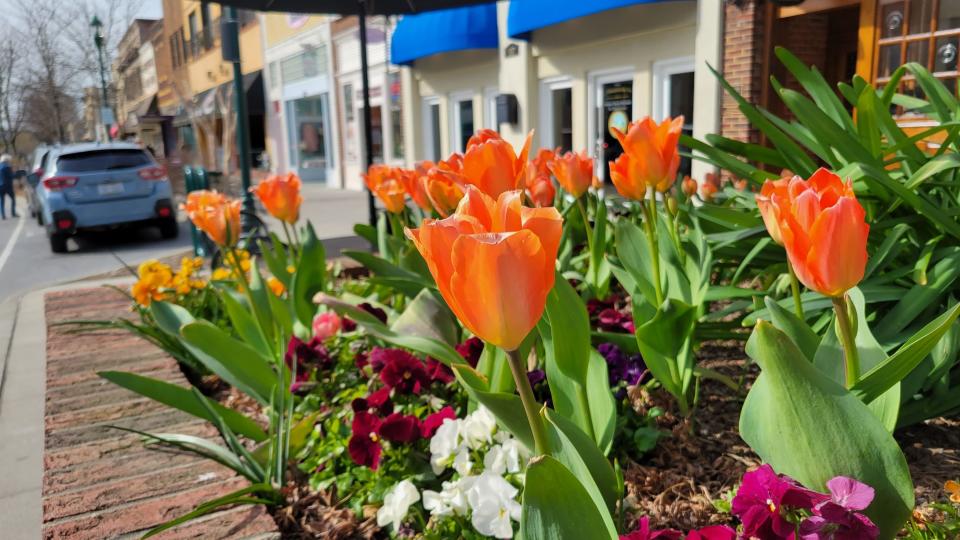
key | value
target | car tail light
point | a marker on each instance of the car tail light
(153, 173)
(64, 224)
(164, 211)
(56, 183)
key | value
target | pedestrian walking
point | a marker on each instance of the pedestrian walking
(6, 187)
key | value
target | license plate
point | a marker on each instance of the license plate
(110, 189)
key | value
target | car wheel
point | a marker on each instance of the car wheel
(58, 243)
(169, 228)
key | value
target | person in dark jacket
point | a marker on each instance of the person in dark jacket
(6, 187)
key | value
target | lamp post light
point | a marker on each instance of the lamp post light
(98, 41)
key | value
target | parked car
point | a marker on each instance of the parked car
(33, 178)
(96, 186)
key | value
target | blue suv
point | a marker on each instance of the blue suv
(94, 186)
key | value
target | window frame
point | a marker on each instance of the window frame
(547, 87)
(429, 136)
(456, 127)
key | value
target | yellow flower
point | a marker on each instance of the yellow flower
(276, 286)
(144, 292)
(221, 274)
(155, 273)
(291, 269)
(953, 488)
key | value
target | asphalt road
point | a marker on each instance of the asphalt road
(27, 263)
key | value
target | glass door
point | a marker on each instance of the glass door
(309, 135)
(614, 108)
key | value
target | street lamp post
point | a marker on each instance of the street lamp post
(98, 40)
(230, 44)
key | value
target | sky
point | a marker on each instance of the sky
(152, 9)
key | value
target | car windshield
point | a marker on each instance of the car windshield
(102, 160)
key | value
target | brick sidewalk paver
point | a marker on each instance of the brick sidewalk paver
(100, 482)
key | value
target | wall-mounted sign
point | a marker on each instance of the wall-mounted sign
(512, 50)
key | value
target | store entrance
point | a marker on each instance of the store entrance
(614, 108)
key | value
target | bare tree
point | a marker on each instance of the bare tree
(12, 95)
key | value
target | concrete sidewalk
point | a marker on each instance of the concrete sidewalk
(333, 213)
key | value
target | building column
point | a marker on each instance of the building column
(517, 76)
(743, 63)
(410, 101)
(707, 95)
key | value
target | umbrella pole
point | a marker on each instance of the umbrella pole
(367, 120)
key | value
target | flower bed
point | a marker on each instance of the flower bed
(528, 360)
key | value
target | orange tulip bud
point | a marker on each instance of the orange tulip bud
(653, 148)
(412, 183)
(824, 231)
(494, 263)
(708, 190)
(765, 204)
(386, 183)
(741, 184)
(214, 214)
(574, 172)
(689, 186)
(491, 164)
(541, 191)
(281, 197)
(627, 176)
(443, 192)
(541, 162)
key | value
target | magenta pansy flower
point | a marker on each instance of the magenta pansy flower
(429, 426)
(760, 500)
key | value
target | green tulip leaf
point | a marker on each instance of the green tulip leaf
(570, 329)
(429, 317)
(310, 276)
(579, 453)
(232, 360)
(664, 342)
(809, 427)
(789, 323)
(556, 505)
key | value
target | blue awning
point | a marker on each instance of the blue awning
(528, 15)
(457, 29)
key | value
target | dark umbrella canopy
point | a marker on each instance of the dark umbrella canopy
(350, 7)
(362, 8)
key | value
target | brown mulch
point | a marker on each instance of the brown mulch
(676, 484)
(310, 514)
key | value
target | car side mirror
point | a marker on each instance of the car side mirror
(20, 173)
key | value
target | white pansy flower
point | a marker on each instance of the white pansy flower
(451, 501)
(444, 444)
(513, 452)
(396, 504)
(496, 460)
(493, 505)
(462, 463)
(477, 429)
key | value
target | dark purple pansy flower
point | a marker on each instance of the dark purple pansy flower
(536, 376)
(760, 502)
(375, 311)
(347, 325)
(403, 428)
(471, 350)
(376, 403)
(595, 306)
(364, 446)
(403, 371)
(439, 371)
(620, 367)
(429, 426)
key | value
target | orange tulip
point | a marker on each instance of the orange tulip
(653, 150)
(385, 182)
(541, 161)
(708, 190)
(444, 194)
(541, 191)
(491, 164)
(823, 230)
(689, 186)
(214, 214)
(281, 197)
(765, 204)
(494, 263)
(413, 185)
(573, 171)
(627, 176)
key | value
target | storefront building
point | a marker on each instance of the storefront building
(869, 38)
(387, 113)
(567, 70)
(300, 117)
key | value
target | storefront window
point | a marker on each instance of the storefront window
(376, 132)
(561, 100)
(617, 106)
(308, 135)
(463, 123)
(431, 128)
(396, 116)
(923, 31)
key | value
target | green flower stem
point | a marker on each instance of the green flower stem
(592, 269)
(585, 407)
(650, 217)
(795, 287)
(848, 339)
(292, 251)
(530, 405)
